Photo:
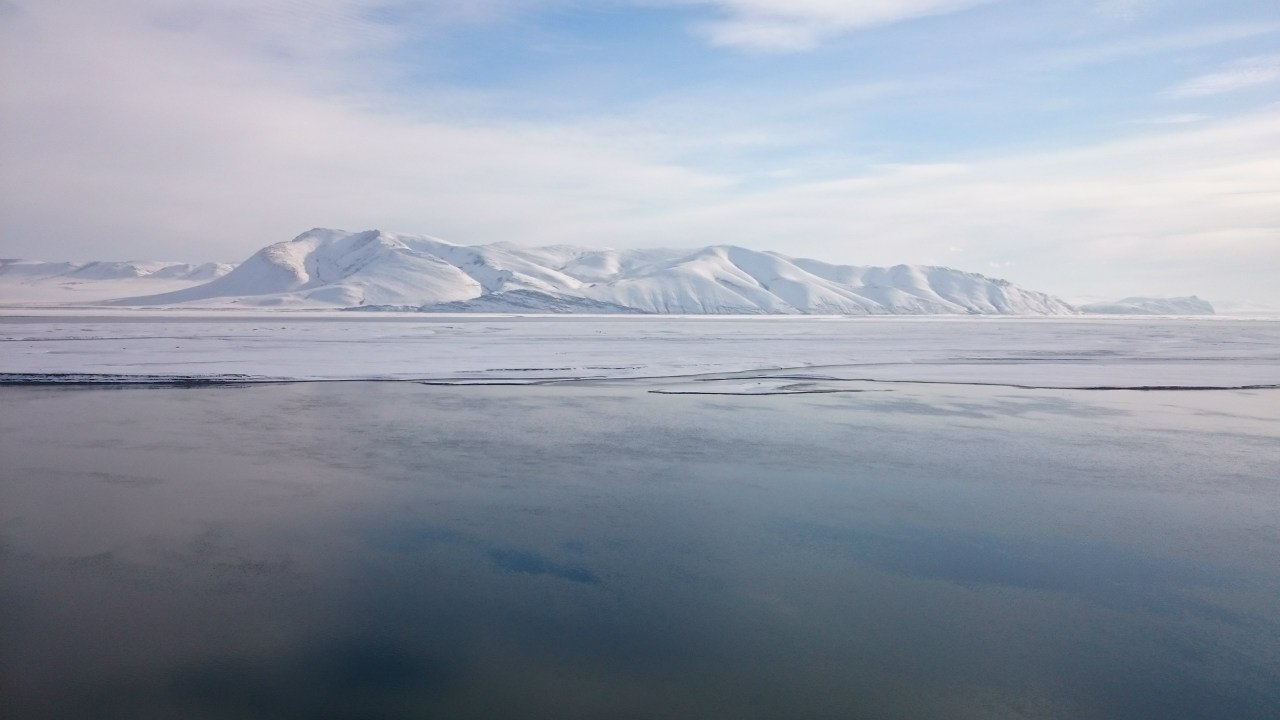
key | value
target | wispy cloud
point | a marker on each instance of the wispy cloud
(1239, 75)
(1124, 10)
(1177, 119)
(1160, 43)
(793, 25)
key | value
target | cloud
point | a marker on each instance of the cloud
(1157, 44)
(793, 25)
(135, 129)
(204, 135)
(1176, 119)
(1239, 75)
(1191, 209)
(1123, 10)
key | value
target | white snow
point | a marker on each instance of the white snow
(325, 268)
(31, 282)
(819, 353)
(1191, 305)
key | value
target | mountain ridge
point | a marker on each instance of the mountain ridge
(372, 269)
(1189, 305)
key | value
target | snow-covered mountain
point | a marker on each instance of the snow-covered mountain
(380, 270)
(1151, 306)
(104, 270)
(32, 281)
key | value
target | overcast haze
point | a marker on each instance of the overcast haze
(1089, 148)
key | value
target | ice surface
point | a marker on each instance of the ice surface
(806, 353)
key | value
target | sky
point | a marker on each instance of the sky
(1087, 148)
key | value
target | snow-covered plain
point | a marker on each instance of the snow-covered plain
(694, 354)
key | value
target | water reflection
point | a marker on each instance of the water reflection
(383, 550)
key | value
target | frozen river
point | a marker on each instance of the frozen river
(380, 549)
(1037, 352)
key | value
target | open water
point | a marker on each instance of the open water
(371, 550)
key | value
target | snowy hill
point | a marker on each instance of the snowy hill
(1151, 306)
(33, 282)
(381, 270)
